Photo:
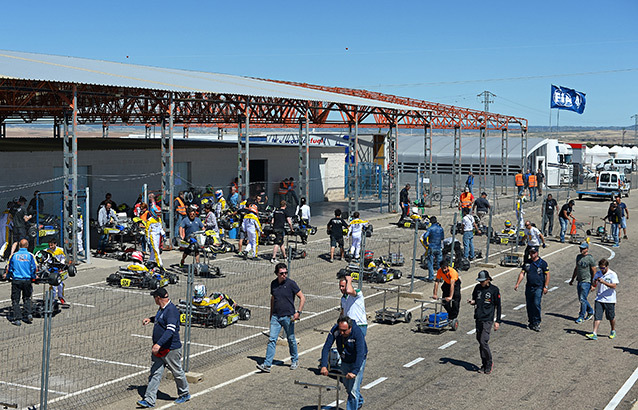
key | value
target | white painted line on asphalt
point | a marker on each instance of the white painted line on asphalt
(35, 295)
(471, 332)
(413, 362)
(374, 383)
(552, 289)
(192, 343)
(502, 316)
(322, 296)
(256, 306)
(334, 404)
(519, 307)
(568, 280)
(138, 292)
(92, 359)
(24, 386)
(448, 344)
(253, 326)
(615, 401)
(612, 254)
(81, 304)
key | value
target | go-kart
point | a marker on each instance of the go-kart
(375, 271)
(507, 236)
(51, 270)
(145, 276)
(217, 310)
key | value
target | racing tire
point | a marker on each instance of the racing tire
(220, 321)
(244, 314)
(303, 254)
(173, 278)
(436, 197)
(153, 284)
(408, 317)
(72, 270)
(54, 279)
(397, 273)
(113, 279)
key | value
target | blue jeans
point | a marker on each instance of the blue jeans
(563, 228)
(432, 253)
(585, 308)
(104, 239)
(276, 323)
(468, 244)
(533, 295)
(615, 232)
(178, 221)
(355, 400)
(521, 189)
(470, 187)
(532, 193)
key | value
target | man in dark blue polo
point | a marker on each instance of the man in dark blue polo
(283, 315)
(352, 347)
(537, 282)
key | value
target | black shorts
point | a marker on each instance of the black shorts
(608, 308)
(334, 241)
(279, 236)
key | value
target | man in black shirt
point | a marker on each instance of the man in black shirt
(563, 217)
(404, 202)
(614, 216)
(486, 299)
(335, 229)
(481, 205)
(20, 220)
(35, 204)
(550, 208)
(279, 220)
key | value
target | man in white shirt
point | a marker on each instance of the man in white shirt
(468, 234)
(534, 238)
(353, 304)
(605, 282)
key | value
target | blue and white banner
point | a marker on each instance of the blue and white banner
(565, 98)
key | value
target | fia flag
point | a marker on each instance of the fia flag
(567, 99)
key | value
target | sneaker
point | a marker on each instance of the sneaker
(481, 370)
(27, 320)
(488, 369)
(16, 322)
(589, 316)
(625, 237)
(62, 301)
(591, 336)
(183, 399)
(331, 260)
(612, 334)
(579, 320)
(294, 365)
(273, 261)
(616, 246)
(536, 328)
(145, 404)
(265, 369)
(181, 265)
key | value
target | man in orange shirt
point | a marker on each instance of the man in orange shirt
(451, 289)
(466, 200)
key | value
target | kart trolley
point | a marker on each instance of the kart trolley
(392, 314)
(437, 321)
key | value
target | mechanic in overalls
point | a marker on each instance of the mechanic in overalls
(252, 227)
(154, 231)
(355, 231)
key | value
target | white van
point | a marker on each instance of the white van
(616, 164)
(613, 181)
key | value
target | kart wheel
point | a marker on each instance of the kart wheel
(113, 279)
(153, 284)
(72, 270)
(220, 321)
(303, 254)
(217, 271)
(244, 314)
(172, 278)
(397, 274)
(408, 317)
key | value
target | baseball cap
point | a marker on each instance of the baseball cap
(483, 275)
(584, 245)
(161, 292)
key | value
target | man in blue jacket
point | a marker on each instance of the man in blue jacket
(433, 238)
(166, 350)
(22, 270)
(352, 348)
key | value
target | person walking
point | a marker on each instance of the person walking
(605, 282)
(153, 229)
(355, 232)
(303, 211)
(563, 217)
(283, 315)
(550, 208)
(584, 272)
(540, 177)
(614, 216)
(189, 226)
(486, 299)
(469, 224)
(532, 183)
(165, 351)
(481, 206)
(625, 215)
(353, 303)
(252, 227)
(520, 183)
(179, 206)
(279, 220)
(450, 288)
(432, 240)
(469, 182)
(404, 201)
(537, 282)
(106, 216)
(336, 226)
(534, 239)
(352, 347)
(22, 272)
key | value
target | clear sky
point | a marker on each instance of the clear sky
(446, 52)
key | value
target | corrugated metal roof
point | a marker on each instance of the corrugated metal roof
(45, 67)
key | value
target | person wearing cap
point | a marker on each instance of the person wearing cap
(166, 350)
(466, 200)
(563, 217)
(584, 272)
(451, 289)
(481, 205)
(537, 284)
(486, 299)
(252, 227)
(550, 207)
(432, 240)
(534, 239)
(283, 315)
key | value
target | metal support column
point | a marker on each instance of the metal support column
(393, 168)
(427, 158)
(70, 172)
(105, 130)
(483, 159)
(304, 158)
(505, 168)
(350, 161)
(3, 130)
(456, 163)
(357, 185)
(186, 130)
(147, 131)
(524, 149)
(56, 128)
(243, 151)
(168, 181)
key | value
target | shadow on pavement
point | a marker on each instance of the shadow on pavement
(578, 331)
(560, 315)
(470, 367)
(627, 349)
(517, 324)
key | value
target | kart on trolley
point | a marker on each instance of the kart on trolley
(217, 310)
(142, 275)
(375, 271)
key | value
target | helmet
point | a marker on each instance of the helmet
(137, 256)
(209, 188)
(199, 291)
(219, 194)
(253, 208)
(508, 223)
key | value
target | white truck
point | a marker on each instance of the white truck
(608, 185)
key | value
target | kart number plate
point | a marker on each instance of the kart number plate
(229, 320)
(182, 318)
(505, 240)
(407, 224)
(125, 283)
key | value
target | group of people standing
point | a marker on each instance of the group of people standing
(529, 183)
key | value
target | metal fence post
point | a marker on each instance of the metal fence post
(189, 313)
(362, 254)
(489, 235)
(416, 237)
(87, 228)
(46, 348)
